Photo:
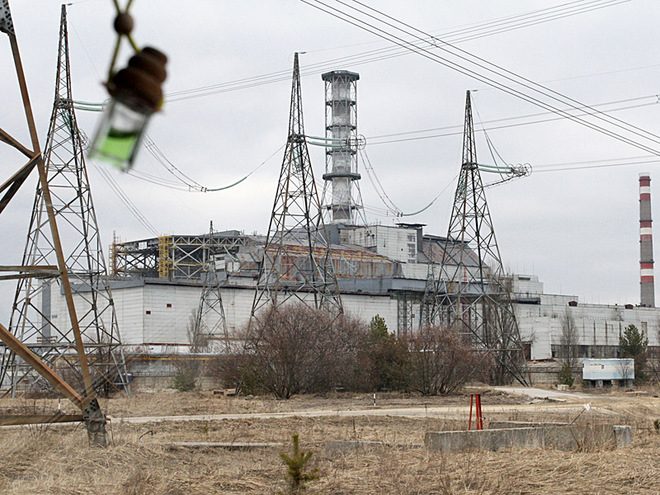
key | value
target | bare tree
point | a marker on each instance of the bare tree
(569, 339)
(189, 368)
(443, 360)
(296, 349)
(198, 340)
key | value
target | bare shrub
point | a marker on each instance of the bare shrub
(297, 349)
(188, 368)
(227, 368)
(442, 361)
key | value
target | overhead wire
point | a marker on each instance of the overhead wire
(172, 169)
(390, 206)
(123, 197)
(185, 183)
(494, 70)
(571, 8)
(378, 187)
(373, 140)
(469, 33)
(505, 171)
(510, 75)
(594, 164)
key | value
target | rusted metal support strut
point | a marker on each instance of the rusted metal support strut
(91, 412)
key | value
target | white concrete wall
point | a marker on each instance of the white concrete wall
(238, 305)
(129, 306)
(596, 325)
(167, 311)
(527, 284)
(542, 324)
(366, 307)
(128, 311)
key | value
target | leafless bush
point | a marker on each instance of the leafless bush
(189, 368)
(442, 360)
(296, 349)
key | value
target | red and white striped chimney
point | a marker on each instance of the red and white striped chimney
(647, 289)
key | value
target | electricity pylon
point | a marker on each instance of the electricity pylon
(211, 321)
(296, 261)
(84, 400)
(36, 315)
(472, 293)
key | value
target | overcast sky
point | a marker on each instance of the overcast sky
(576, 229)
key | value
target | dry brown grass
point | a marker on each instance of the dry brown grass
(58, 460)
(170, 403)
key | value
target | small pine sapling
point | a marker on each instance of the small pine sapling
(297, 476)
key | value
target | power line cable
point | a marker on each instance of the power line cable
(373, 141)
(655, 97)
(506, 75)
(619, 162)
(472, 32)
(123, 197)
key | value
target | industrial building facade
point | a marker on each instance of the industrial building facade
(386, 277)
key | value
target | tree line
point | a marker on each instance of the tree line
(296, 349)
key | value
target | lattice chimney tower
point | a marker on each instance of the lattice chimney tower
(647, 288)
(342, 199)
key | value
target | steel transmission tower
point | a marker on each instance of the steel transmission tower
(37, 314)
(297, 259)
(472, 292)
(211, 320)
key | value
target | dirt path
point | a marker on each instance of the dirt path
(448, 412)
(542, 393)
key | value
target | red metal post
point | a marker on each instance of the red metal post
(475, 401)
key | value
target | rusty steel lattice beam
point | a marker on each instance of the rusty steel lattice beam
(296, 261)
(34, 309)
(86, 399)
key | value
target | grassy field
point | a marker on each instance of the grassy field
(58, 459)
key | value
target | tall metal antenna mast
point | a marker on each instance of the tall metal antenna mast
(38, 273)
(472, 293)
(297, 258)
(35, 312)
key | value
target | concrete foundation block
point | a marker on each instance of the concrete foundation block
(623, 435)
(449, 442)
(559, 437)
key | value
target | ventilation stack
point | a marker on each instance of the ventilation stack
(647, 289)
(342, 200)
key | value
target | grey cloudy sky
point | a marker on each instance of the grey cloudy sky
(576, 229)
